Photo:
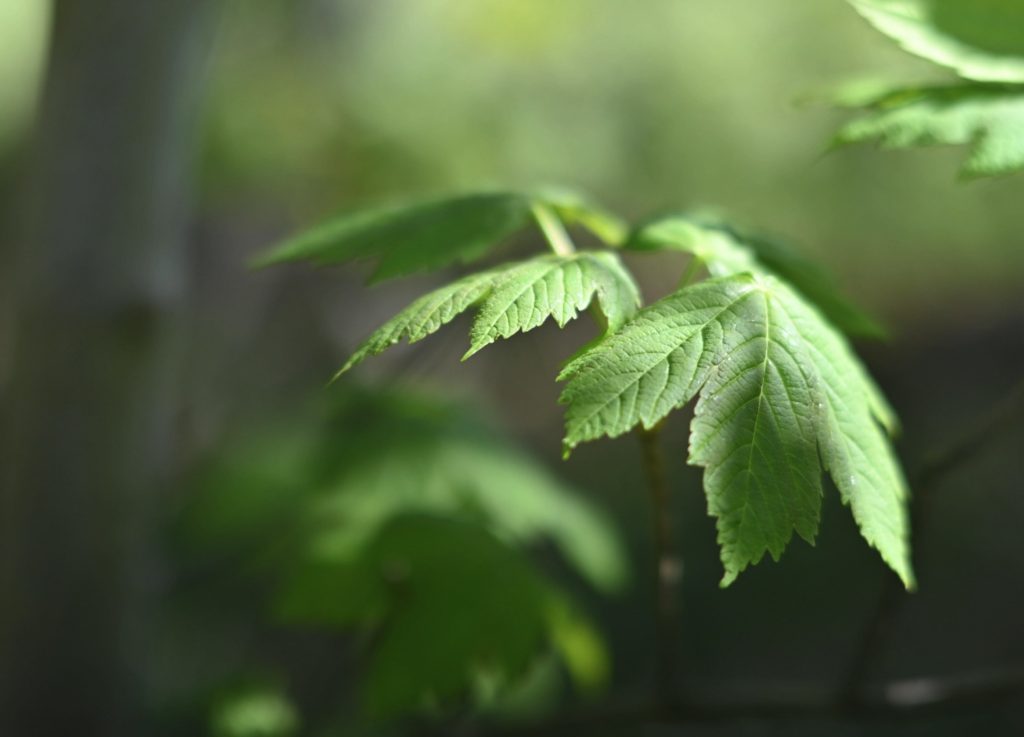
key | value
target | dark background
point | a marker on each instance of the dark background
(149, 150)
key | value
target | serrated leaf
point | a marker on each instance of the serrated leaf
(514, 298)
(988, 118)
(979, 39)
(777, 387)
(427, 235)
(727, 250)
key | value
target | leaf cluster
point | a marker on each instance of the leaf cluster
(982, 41)
(781, 397)
(392, 514)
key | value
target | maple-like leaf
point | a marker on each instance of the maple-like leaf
(514, 298)
(989, 118)
(726, 249)
(781, 397)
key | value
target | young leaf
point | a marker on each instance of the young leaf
(987, 117)
(558, 287)
(514, 298)
(980, 39)
(777, 387)
(727, 250)
(430, 234)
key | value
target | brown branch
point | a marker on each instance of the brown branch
(668, 570)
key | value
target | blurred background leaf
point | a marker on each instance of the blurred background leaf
(410, 516)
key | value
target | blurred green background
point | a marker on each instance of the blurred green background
(302, 108)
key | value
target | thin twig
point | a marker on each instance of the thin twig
(668, 569)
(554, 231)
(896, 700)
(1009, 408)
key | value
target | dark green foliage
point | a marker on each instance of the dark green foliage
(395, 513)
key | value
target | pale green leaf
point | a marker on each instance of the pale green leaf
(514, 298)
(429, 234)
(988, 118)
(557, 287)
(979, 39)
(725, 250)
(778, 386)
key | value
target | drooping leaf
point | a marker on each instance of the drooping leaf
(980, 39)
(778, 386)
(427, 235)
(989, 118)
(404, 511)
(727, 250)
(460, 471)
(514, 298)
(461, 603)
(325, 484)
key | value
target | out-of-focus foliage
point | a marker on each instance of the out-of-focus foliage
(726, 249)
(983, 41)
(987, 118)
(23, 36)
(321, 102)
(453, 603)
(254, 711)
(410, 517)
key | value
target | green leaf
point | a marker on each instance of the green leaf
(778, 386)
(989, 118)
(727, 250)
(397, 511)
(979, 39)
(427, 235)
(324, 484)
(463, 472)
(514, 298)
(462, 603)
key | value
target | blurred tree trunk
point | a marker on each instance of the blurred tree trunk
(89, 427)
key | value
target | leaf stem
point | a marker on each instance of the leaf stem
(692, 267)
(668, 569)
(555, 233)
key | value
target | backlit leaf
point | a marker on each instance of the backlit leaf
(988, 118)
(514, 298)
(778, 387)
(980, 39)
(726, 250)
